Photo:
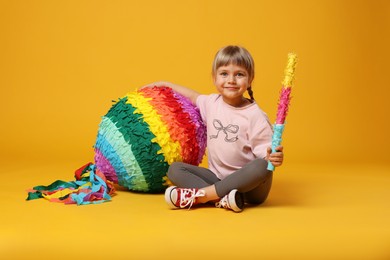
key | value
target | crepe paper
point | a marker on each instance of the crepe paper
(168, 147)
(182, 123)
(143, 133)
(197, 146)
(113, 154)
(284, 101)
(140, 136)
(283, 105)
(90, 187)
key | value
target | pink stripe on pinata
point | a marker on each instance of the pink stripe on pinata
(284, 101)
(105, 166)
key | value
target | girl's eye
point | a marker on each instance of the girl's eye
(240, 74)
(223, 74)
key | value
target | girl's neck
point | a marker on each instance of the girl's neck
(242, 102)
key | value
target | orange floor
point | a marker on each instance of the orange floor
(313, 212)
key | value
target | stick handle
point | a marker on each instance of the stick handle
(276, 141)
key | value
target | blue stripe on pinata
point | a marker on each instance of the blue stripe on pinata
(131, 175)
(109, 152)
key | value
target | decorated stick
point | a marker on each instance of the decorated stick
(284, 101)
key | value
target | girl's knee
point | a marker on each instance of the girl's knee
(260, 163)
(174, 168)
(260, 193)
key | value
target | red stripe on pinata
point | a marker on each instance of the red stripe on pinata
(178, 122)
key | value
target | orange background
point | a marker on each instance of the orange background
(62, 62)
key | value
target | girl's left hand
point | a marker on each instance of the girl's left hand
(275, 158)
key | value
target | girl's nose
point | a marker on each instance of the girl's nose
(231, 79)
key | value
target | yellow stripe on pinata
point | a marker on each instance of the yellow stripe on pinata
(289, 70)
(170, 148)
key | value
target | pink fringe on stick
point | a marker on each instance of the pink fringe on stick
(284, 101)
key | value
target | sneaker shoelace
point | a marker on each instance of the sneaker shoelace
(188, 197)
(223, 203)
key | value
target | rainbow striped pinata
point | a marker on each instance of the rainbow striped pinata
(140, 136)
(143, 133)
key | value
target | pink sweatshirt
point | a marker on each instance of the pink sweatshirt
(235, 136)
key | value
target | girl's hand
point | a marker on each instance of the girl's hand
(275, 158)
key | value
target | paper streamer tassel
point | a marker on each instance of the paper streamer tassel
(90, 187)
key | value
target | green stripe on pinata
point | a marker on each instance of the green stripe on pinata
(136, 132)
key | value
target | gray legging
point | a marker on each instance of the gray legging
(253, 180)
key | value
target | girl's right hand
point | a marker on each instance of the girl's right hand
(277, 157)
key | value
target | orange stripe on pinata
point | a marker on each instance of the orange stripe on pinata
(178, 121)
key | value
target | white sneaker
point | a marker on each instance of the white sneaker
(234, 201)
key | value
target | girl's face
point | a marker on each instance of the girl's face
(232, 81)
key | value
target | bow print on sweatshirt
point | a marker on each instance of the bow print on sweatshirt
(227, 130)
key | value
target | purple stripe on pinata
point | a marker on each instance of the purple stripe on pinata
(104, 165)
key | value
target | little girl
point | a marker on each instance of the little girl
(238, 141)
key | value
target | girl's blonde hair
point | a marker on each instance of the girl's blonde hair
(236, 55)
